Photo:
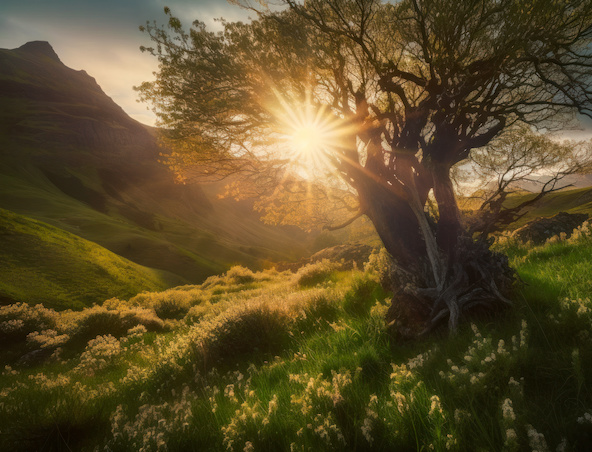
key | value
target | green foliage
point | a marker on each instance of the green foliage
(244, 331)
(20, 319)
(113, 318)
(362, 295)
(169, 304)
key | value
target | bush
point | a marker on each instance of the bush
(99, 320)
(360, 298)
(20, 319)
(238, 275)
(196, 313)
(312, 274)
(241, 331)
(100, 353)
(170, 304)
(312, 307)
(380, 264)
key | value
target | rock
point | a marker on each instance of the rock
(541, 229)
(352, 254)
(407, 317)
(35, 358)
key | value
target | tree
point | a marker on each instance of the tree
(520, 159)
(381, 100)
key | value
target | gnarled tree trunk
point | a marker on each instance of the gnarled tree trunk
(439, 273)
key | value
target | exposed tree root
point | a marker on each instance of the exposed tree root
(477, 280)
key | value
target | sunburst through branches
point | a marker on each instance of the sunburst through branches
(313, 137)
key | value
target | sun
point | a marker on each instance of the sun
(308, 138)
(309, 135)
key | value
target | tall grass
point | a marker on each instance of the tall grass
(280, 361)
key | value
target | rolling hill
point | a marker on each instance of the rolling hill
(43, 264)
(72, 158)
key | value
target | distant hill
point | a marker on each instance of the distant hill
(43, 264)
(71, 157)
(571, 201)
(573, 181)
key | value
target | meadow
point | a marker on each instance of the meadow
(304, 361)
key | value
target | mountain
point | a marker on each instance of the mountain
(71, 157)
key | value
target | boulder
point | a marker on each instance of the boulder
(541, 229)
(351, 254)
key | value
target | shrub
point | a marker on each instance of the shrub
(240, 275)
(360, 298)
(379, 264)
(99, 354)
(99, 320)
(196, 313)
(312, 307)
(20, 319)
(312, 274)
(236, 332)
(171, 308)
(46, 339)
(170, 304)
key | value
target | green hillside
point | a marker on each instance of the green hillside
(40, 263)
(570, 201)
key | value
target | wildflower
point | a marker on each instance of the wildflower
(536, 440)
(451, 442)
(508, 411)
(523, 334)
(367, 429)
(435, 405)
(273, 405)
(562, 446)
(511, 435)
(585, 419)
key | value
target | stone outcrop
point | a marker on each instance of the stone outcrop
(352, 254)
(541, 229)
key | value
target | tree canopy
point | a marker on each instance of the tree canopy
(368, 103)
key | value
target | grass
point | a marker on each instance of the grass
(43, 264)
(273, 361)
(570, 201)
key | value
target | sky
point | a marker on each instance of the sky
(103, 38)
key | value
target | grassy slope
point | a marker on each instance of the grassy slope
(272, 362)
(26, 191)
(571, 201)
(43, 264)
(193, 250)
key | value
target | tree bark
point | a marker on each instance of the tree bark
(449, 221)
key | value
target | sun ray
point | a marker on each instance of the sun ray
(309, 136)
